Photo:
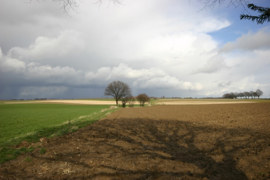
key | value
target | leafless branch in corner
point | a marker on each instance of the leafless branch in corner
(210, 4)
(73, 5)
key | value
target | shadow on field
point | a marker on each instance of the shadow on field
(172, 149)
(148, 149)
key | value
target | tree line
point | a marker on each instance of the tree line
(122, 92)
(246, 94)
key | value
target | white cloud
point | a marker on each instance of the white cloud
(214, 64)
(151, 78)
(10, 65)
(166, 82)
(247, 72)
(183, 43)
(249, 42)
(211, 25)
(124, 71)
(68, 43)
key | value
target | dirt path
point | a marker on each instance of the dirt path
(158, 142)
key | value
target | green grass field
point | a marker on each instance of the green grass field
(30, 122)
(18, 120)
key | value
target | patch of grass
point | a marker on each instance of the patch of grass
(30, 122)
(8, 153)
(28, 159)
(42, 151)
(18, 120)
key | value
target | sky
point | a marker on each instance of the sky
(165, 48)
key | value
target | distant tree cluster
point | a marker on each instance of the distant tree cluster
(128, 99)
(121, 91)
(246, 95)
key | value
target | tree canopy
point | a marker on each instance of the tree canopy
(118, 90)
(245, 94)
(142, 98)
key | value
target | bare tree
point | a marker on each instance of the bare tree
(227, 96)
(246, 94)
(128, 99)
(255, 94)
(214, 3)
(142, 98)
(131, 101)
(252, 94)
(66, 4)
(74, 4)
(124, 101)
(230, 95)
(118, 90)
(241, 95)
(259, 93)
(236, 95)
(233, 95)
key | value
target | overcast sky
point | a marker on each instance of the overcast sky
(169, 48)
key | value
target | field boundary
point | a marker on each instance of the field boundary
(207, 101)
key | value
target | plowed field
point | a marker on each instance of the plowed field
(158, 142)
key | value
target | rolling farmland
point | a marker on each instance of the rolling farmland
(210, 141)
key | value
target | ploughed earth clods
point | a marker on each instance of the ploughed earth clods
(158, 142)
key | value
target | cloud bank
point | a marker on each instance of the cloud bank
(161, 48)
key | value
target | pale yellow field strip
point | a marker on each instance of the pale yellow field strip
(199, 102)
(159, 102)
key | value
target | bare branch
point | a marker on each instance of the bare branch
(73, 5)
(210, 4)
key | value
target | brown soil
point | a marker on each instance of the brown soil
(158, 142)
